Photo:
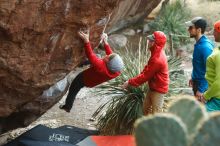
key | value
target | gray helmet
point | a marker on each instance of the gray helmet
(115, 64)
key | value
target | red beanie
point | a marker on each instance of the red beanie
(217, 26)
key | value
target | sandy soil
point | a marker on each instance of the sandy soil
(84, 106)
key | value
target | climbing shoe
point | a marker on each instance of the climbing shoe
(63, 107)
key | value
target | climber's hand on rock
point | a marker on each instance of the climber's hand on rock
(84, 36)
(104, 38)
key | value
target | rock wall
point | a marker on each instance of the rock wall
(131, 12)
(39, 47)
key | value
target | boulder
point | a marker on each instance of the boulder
(39, 46)
(118, 41)
(129, 32)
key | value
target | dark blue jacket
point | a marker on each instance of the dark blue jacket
(202, 49)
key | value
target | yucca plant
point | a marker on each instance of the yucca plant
(119, 113)
(178, 79)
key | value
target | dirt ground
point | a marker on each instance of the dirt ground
(84, 106)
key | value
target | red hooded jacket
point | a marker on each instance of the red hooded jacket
(98, 71)
(156, 71)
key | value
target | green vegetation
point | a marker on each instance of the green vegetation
(160, 130)
(171, 21)
(190, 116)
(178, 80)
(191, 126)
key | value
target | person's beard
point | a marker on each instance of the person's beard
(192, 35)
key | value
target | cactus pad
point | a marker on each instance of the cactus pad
(208, 132)
(160, 130)
(190, 111)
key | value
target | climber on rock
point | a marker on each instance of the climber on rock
(100, 70)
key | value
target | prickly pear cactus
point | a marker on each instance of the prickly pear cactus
(160, 130)
(208, 132)
(190, 111)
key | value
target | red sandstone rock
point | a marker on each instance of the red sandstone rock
(39, 46)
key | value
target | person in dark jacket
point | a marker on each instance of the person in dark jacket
(100, 70)
(202, 49)
(155, 73)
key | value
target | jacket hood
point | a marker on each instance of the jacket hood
(159, 42)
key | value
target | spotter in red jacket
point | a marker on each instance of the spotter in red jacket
(156, 71)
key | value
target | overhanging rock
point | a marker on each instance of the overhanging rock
(39, 47)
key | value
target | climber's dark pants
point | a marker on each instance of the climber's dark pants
(75, 87)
